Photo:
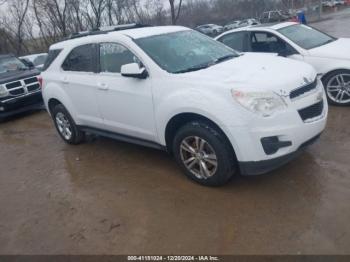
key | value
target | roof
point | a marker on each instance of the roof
(262, 26)
(135, 33)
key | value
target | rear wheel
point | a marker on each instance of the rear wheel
(66, 126)
(337, 86)
(204, 154)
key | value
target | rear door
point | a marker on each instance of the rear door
(78, 81)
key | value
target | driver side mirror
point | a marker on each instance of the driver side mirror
(134, 70)
(286, 51)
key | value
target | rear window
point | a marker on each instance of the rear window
(51, 57)
(80, 59)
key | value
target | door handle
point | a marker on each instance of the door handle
(102, 86)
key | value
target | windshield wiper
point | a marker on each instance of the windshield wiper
(195, 68)
(224, 58)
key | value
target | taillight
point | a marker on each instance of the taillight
(40, 80)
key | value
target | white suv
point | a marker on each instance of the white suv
(219, 113)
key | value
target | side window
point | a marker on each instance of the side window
(270, 43)
(80, 59)
(235, 41)
(113, 56)
(264, 42)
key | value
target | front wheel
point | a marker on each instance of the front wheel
(337, 86)
(204, 154)
(66, 126)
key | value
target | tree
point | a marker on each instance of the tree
(15, 21)
(175, 14)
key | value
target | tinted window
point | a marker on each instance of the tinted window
(270, 43)
(235, 41)
(51, 57)
(81, 59)
(266, 42)
(305, 36)
(113, 56)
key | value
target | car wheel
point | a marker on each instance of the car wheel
(204, 154)
(337, 86)
(66, 126)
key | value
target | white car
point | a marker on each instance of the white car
(38, 60)
(232, 25)
(328, 55)
(248, 22)
(210, 29)
(171, 88)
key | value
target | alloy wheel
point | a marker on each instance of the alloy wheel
(338, 88)
(199, 157)
(64, 126)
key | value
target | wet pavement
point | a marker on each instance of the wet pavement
(336, 24)
(108, 197)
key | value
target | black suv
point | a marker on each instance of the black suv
(19, 87)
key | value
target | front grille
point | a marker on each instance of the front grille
(302, 90)
(31, 80)
(24, 86)
(33, 87)
(17, 92)
(312, 111)
(13, 85)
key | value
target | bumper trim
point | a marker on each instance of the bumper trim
(265, 166)
(37, 106)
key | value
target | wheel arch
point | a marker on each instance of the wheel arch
(326, 75)
(52, 103)
(181, 119)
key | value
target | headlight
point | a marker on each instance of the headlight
(3, 91)
(263, 103)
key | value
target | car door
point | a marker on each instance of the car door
(237, 40)
(126, 103)
(78, 81)
(266, 42)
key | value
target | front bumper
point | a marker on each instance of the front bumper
(9, 107)
(265, 166)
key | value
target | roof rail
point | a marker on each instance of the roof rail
(106, 29)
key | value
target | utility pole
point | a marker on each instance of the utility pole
(320, 8)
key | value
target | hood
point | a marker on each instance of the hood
(264, 71)
(339, 49)
(17, 75)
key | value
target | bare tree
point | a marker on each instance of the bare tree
(15, 21)
(175, 14)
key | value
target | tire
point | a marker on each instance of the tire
(63, 120)
(340, 78)
(194, 133)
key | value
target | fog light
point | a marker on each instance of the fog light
(272, 144)
(2, 108)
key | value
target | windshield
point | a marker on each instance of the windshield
(10, 63)
(185, 51)
(305, 36)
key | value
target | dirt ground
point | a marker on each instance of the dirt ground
(107, 197)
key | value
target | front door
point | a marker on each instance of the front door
(126, 104)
